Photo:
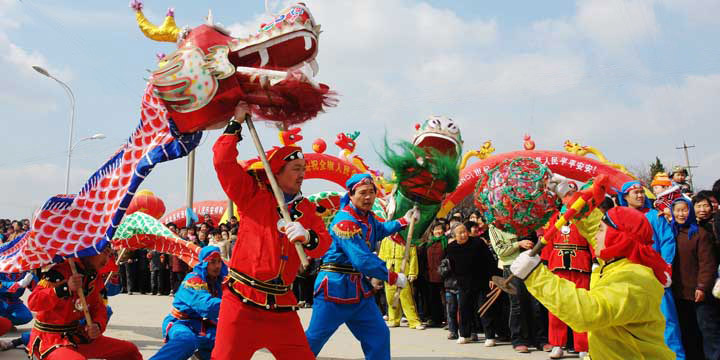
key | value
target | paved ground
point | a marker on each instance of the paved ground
(137, 318)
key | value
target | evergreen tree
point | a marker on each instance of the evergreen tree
(656, 167)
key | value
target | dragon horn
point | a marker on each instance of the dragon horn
(209, 18)
(167, 32)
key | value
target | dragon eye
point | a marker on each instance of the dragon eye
(434, 123)
(452, 128)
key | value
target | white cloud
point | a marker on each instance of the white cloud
(702, 11)
(616, 24)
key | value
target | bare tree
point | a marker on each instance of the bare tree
(642, 172)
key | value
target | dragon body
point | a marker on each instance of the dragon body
(194, 88)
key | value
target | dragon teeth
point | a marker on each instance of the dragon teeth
(314, 66)
(308, 42)
(264, 57)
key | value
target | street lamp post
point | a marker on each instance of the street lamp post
(65, 86)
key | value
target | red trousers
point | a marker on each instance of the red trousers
(5, 325)
(244, 329)
(100, 348)
(557, 331)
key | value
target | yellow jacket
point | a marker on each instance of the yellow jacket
(392, 253)
(620, 312)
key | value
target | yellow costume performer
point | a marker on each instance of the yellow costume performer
(392, 253)
(621, 311)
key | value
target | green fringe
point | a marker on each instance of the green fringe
(404, 164)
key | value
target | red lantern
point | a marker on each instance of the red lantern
(319, 146)
(146, 202)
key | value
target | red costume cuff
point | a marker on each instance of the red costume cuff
(403, 222)
(392, 277)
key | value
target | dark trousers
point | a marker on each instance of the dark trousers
(708, 317)
(700, 327)
(489, 319)
(122, 272)
(691, 338)
(420, 289)
(165, 281)
(303, 289)
(528, 318)
(436, 310)
(131, 276)
(461, 311)
(155, 281)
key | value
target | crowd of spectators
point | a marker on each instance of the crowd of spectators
(460, 254)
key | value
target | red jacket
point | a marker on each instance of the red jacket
(53, 304)
(568, 251)
(263, 258)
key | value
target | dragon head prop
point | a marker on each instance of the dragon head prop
(210, 72)
(346, 141)
(439, 133)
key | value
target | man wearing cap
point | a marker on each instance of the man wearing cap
(258, 305)
(343, 292)
(679, 176)
(190, 327)
(632, 194)
(620, 311)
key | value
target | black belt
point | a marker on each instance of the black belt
(339, 268)
(266, 287)
(56, 328)
(557, 246)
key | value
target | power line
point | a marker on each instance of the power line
(685, 148)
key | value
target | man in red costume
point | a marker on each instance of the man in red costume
(258, 307)
(59, 331)
(569, 256)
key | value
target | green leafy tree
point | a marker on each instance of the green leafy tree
(656, 167)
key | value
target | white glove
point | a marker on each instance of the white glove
(524, 264)
(412, 215)
(401, 281)
(296, 232)
(668, 280)
(559, 185)
(25, 282)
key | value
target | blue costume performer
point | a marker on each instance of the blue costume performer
(343, 294)
(191, 325)
(663, 243)
(12, 288)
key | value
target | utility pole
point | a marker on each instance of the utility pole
(685, 147)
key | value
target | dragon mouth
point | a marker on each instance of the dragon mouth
(287, 43)
(442, 143)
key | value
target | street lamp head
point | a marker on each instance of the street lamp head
(41, 70)
(97, 136)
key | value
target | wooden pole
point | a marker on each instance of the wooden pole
(190, 185)
(406, 256)
(81, 294)
(275, 187)
(117, 262)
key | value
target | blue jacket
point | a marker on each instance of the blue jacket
(355, 237)
(196, 303)
(10, 290)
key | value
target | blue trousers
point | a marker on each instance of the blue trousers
(363, 319)
(182, 343)
(16, 312)
(673, 337)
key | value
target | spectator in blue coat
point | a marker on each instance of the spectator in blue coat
(632, 194)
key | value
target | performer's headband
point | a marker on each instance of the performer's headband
(295, 155)
(633, 187)
(365, 181)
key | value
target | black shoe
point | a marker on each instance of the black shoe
(452, 336)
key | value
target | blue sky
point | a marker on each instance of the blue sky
(633, 78)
